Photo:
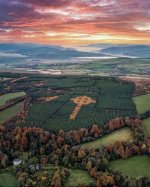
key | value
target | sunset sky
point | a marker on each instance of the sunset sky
(75, 22)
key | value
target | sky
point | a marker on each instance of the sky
(75, 22)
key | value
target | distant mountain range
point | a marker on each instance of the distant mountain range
(13, 51)
(44, 51)
(140, 51)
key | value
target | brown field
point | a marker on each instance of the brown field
(18, 79)
(49, 98)
(38, 84)
(80, 101)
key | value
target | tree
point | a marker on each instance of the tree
(4, 161)
(93, 173)
(95, 131)
(107, 180)
(81, 153)
(56, 181)
(24, 142)
(88, 165)
(42, 150)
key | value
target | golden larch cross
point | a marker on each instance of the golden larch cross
(80, 101)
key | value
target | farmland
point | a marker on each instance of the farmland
(111, 99)
(146, 123)
(123, 135)
(10, 112)
(100, 67)
(135, 166)
(7, 179)
(79, 178)
(6, 97)
(142, 103)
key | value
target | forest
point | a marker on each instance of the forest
(113, 98)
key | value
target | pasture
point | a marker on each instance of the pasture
(146, 124)
(123, 135)
(8, 179)
(135, 166)
(79, 178)
(142, 103)
(6, 97)
(10, 112)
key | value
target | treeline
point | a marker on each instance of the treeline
(145, 115)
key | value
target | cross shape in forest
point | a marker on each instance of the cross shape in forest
(80, 101)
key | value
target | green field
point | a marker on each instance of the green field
(142, 103)
(10, 112)
(7, 179)
(112, 99)
(124, 134)
(135, 166)
(4, 98)
(146, 123)
(79, 178)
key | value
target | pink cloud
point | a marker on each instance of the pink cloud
(112, 17)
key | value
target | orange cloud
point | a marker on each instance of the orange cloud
(74, 22)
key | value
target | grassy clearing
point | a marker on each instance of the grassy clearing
(7, 179)
(142, 103)
(79, 178)
(135, 166)
(4, 98)
(146, 123)
(10, 112)
(124, 134)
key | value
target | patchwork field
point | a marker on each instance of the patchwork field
(146, 123)
(7, 179)
(6, 97)
(124, 135)
(142, 103)
(135, 166)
